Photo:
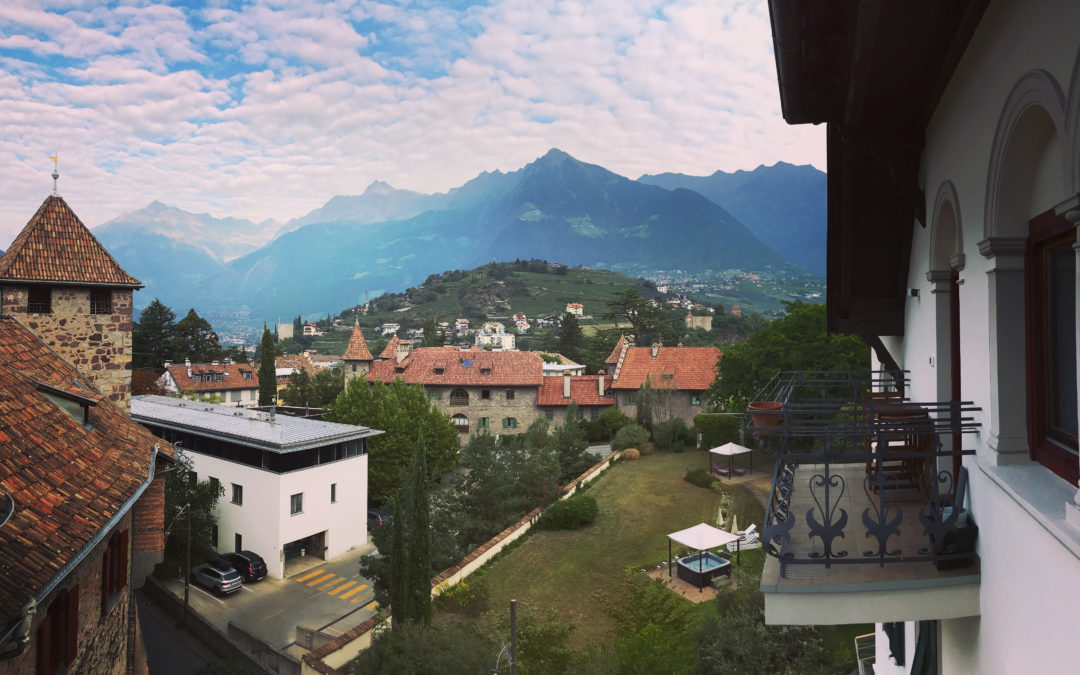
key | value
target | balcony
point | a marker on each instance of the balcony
(865, 520)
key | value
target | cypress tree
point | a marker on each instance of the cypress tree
(267, 370)
(419, 529)
(398, 553)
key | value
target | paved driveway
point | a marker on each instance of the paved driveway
(331, 597)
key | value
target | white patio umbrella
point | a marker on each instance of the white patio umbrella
(730, 450)
(700, 537)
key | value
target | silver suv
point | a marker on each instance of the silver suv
(217, 575)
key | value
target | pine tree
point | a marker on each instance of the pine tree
(418, 590)
(267, 369)
(152, 336)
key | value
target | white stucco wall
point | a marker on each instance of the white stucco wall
(264, 521)
(1030, 556)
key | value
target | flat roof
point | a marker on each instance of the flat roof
(244, 425)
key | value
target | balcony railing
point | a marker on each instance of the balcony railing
(862, 474)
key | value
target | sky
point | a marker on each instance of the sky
(266, 109)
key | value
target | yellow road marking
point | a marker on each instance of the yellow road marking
(371, 605)
(330, 584)
(342, 587)
(308, 575)
(320, 580)
(335, 630)
(354, 591)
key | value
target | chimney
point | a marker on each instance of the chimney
(566, 385)
(168, 363)
(228, 360)
(213, 363)
(187, 362)
(600, 385)
(655, 348)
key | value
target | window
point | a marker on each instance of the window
(549, 414)
(217, 377)
(461, 423)
(1050, 285)
(239, 541)
(459, 397)
(509, 394)
(39, 300)
(628, 397)
(213, 535)
(100, 301)
(695, 399)
(114, 570)
(246, 374)
(58, 634)
(333, 493)
(354, 367)
(485, 394)
(235, 395)
(296, 503)
(483, 423)
(485, 371)
(509, 423)
(435, 395)
(594, 414)
(439, 371)
(196, 378)
(238, 494)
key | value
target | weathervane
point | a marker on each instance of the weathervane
(55, 157)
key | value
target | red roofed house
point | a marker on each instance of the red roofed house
(81, 489)
(357, 356)
(236, 383)
(686, 371)
(480, 390)
(589, 392)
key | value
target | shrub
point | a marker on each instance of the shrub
(605, 427)
(570, 514)
(672, 435)
(630, 436)
(630, 454)
(647, 448)
(718, 429)
(699, 477)
(463, 598)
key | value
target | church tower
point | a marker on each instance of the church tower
(357, 357)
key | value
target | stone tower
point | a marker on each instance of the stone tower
(357, 357)
(60, 282)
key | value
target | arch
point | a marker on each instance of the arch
(459, 396)
(1031, 125)
(460, 422)
(1072, 127)
(946, 230)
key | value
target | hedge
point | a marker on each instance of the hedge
(717, 429)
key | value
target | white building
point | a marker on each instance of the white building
(293, 486)
(954, 199)
(236, 384)
(285, 330)
(493, 334)
(575, 308)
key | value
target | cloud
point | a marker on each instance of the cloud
(267, 109)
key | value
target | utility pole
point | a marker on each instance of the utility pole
(513, 637)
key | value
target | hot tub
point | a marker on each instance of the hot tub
(700, 569)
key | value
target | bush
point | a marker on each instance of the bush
(717, 429)
(570, 514)
(630, 436)
(699, 477)
(463, 598)
(605, 427)
(630, 454)
(672, 435)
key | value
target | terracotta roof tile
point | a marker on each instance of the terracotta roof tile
(617, 351)
(390, 350)
(357, 349)
(689, 368)
(232, 377)
(292, 361)
(67, 481)
(56, 246)
(462, 368)
(583, 391)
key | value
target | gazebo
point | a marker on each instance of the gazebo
(730, 450)
(701, 537)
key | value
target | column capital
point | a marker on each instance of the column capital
(992, 247)
(939, 277)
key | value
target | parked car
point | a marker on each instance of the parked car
(217, 575)
(250, 565)
(376, 517)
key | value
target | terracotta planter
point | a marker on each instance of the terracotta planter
(766, 416)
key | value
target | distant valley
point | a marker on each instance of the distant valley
(354, 248)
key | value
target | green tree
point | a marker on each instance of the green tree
(656, 629)
(439, 648)
(182, 488)
(431, 336)
(570, 445)
(194, 338)
(267, 369)
(300, 391)
(403, 413)
(417, 563)
(571, 339)
(798, 341)
(152, 335)
(328, 385)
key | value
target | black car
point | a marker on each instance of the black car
(376, 517)
(217, 575)
(250, 565)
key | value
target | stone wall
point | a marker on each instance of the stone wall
(102, 646)
(99, 345)
(147, 531)
(497, 407)
(678, 406)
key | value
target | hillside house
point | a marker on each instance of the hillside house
(285, 331)
(389, 328)
(461, 326)
(953, 136)
(493, 334)
(685, 373)
(311, 329)
(81, 485)
(293, 486)
(575, 308)
(236, 383)
(699, 322)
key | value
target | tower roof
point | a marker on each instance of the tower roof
(357, 349)
(56, 247)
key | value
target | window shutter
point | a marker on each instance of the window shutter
(72, 624)
(44, 645)
(106, 583)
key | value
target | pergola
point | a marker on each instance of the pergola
(730, 450)
(700, 537)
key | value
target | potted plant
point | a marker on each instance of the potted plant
(766, 416)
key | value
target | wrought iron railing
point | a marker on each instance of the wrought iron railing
(829, 430)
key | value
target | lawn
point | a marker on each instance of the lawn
(570, 573)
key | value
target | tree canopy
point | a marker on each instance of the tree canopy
(798, 341)
(571, 339)
(267, 369)
(152, 335)
(194, 338)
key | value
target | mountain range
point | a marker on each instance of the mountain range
(355, 247)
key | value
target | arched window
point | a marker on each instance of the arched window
(459, 397)
(461, 423)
